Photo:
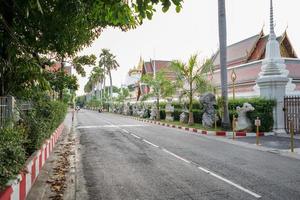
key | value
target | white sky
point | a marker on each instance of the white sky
(174, 35)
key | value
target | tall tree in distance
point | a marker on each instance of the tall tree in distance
(108, 60)
(98, 77)
(192, 79)
(160, 87)
(223, 62)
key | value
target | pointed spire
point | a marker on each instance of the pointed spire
(272, 57)
(272, 32)
(141, 64)
(273, 47)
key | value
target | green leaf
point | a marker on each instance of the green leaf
(39, 6)
(178, 8)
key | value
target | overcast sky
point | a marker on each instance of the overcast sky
(172, 35)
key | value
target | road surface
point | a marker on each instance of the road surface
(122, 158)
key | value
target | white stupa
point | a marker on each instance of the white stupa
(273, 79)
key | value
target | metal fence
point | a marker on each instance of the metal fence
(292, 113)
(6, 109)
(10, 109)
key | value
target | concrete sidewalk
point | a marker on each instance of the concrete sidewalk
(57, 178)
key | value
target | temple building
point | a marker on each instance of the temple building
(244, 60)
(132, 80)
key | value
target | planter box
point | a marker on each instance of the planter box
(19, 188)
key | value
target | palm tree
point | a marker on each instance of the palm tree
(192, 79)
(98, 77)
(88, 86)
(160, 86)
(108, 60)
(223, 62)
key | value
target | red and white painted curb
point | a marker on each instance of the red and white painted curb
(19, 188)
(205, 132)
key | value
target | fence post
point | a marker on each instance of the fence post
(234, 119)
(292, 135)
(257, 124)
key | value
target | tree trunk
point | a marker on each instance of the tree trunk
(191, 116)
(223, 62)
(110, 92)
(111, 89)
(157, 106)
(104, 88)
(62, 70)
(101, 91)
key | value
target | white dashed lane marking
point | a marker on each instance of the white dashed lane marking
(135, 136)
(176, 156)
(150, 143)
(230, 182)
(110, 126)
(207, 171)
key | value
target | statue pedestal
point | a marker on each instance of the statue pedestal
(273, 87)
(169, 116)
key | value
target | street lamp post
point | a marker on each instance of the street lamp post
(233, 79)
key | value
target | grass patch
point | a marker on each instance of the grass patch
(195, 125)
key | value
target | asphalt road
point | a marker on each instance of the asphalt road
(121, 158)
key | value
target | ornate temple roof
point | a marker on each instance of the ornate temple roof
(137, 69)
(252, 49)
(237, 51)
(159, 65)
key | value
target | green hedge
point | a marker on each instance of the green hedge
(177, 105)
(42, 121)
(12, 153)
(197, 115)
(19, 142)
(263, 110)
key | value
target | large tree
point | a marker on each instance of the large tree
(58, 29)
(108, 60)
(192, 79)
(96, 79)
(223, 62)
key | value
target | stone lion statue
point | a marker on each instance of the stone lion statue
(243, 122)
(184, 116)
(154, 111)
(208, 100)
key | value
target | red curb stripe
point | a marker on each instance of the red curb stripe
(220, 133)
(240, 133)
(261, 134)
(22, 187)
(173, 126)
(195, 130)
(204, 132)
(187, 129)
(179, 127)
(5, 195)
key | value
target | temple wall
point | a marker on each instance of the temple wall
(248, 73)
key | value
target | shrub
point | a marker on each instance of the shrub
(198, 116)
(162, 114)
(176, 114)
(12, 153)
(197, 111)
(263, 110)
(41, 121)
